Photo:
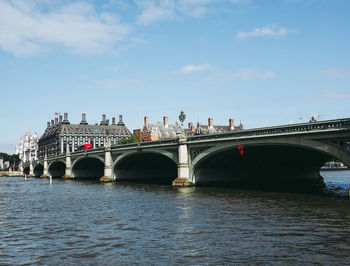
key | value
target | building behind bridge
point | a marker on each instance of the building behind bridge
(61, 132)
(159, 130)
(28, 147)
(210, 128)
(156, 131)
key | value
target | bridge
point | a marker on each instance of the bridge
(289, 155)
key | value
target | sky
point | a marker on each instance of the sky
(261, 62)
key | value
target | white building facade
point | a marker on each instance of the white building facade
(27, 149)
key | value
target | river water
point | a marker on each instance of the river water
(88, 223)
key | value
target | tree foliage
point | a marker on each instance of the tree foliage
(131, 139)
(11, 158)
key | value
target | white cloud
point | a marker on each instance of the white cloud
(25, 29)
(193, 68)
(252, 73)
(269, 30)
(152, 12)
(157, 10)
(336, 73)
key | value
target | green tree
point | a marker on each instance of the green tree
(131, 139)
(11, 158)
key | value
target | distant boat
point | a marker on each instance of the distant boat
(334, 166)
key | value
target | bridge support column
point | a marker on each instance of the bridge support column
(45, 173)
(108, 173)
(183, 170)
(68, 172)
(31, 169)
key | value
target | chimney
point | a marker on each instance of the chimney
(65, 120)
(52, 122)
(107, 122)
(103, 121)
(56, 120)
(231, 123)
(210, 122)
(113, 120)
(121, 123)
(48, 124)
(83, 119)
(60, 118)
(190, 126)
(165, 121)
(146, 121)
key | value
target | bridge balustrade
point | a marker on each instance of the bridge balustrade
(344, 123)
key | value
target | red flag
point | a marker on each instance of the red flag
(57, 113)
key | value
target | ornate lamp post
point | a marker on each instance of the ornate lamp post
(182, 118)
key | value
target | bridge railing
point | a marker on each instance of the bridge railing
(304, 127)
(143, 144)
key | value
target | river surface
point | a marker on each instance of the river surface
(88, 223)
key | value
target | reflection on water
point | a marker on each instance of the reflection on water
(337, 182)
(118, 223)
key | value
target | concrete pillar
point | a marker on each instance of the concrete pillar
(94, 142)
(45, 173)
(183, 170)
(31, 169)
(108, 171)
(68, 173)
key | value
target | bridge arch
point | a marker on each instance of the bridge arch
(76, 160)
(56, 169)
(26, 170)
(38, 170)
(295, 163)
(88, 167)
(146, 167)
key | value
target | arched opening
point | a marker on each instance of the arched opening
(38, 170)
(265, 166)
(88, 168)
(26, 170)
(57, 169)
(143, 167)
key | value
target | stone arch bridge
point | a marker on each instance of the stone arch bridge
(281, 155)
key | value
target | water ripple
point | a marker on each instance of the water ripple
(88, 223)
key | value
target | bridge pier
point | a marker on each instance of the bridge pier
(45, 173)
(183, 170)
(31, 169)
(108, 173)
(68, 171)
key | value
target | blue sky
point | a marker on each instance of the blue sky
(260, 62)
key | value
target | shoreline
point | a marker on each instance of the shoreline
(11, 174)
